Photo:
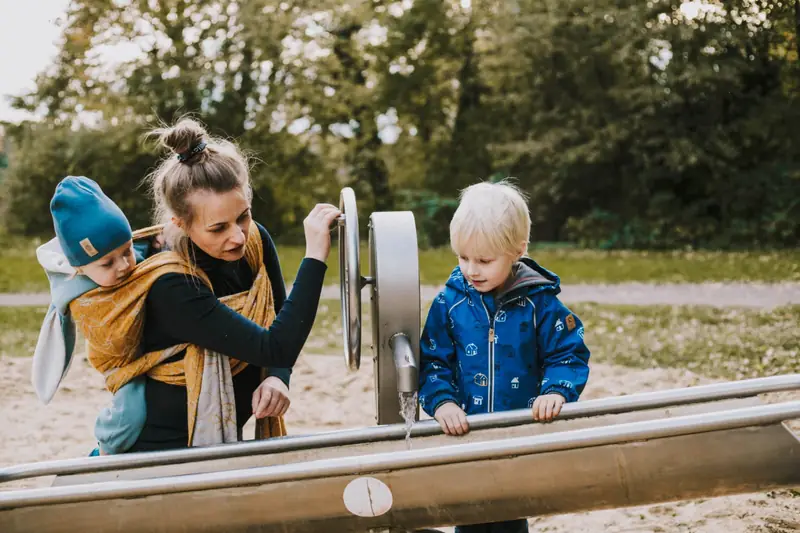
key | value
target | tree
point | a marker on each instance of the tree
(628, 123)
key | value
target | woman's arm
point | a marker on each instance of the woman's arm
(273, 267)
(196, 316)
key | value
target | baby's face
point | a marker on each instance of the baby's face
(113, 267)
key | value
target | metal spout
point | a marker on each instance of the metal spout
(404, 362)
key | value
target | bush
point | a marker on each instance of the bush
(115, 159)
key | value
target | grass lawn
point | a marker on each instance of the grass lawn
(732, 343)
(19, 329)
(729, 343)
(19, 271)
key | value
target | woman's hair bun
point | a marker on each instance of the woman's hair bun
(182, 136)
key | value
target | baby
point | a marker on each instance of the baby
(93, 248)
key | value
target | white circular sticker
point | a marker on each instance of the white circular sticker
(367, 496)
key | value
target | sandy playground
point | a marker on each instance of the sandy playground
(326, 397)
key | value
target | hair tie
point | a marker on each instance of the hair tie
(188, 154)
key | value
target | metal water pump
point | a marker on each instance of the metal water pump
(395, 302)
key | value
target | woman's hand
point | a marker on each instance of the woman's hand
(271, 398)
(452, 418)
(317, 228)
(547, 407)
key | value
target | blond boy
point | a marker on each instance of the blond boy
(497, 338)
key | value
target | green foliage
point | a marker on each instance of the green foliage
(642, 127)
(432, 214)
(114, 158)
(630, 124)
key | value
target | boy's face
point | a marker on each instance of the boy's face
(113, 267)
(484, 271)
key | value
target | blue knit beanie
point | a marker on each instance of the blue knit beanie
(87, 223)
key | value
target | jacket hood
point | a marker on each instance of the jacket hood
(65, 284)
(527, 277)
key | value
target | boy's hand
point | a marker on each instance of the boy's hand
(452, 418)
(547, 407)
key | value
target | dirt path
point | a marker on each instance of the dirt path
(759, 295)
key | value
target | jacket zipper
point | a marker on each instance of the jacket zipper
(491, 347)
(490, 373)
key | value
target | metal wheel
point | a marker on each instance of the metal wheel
(350, 281)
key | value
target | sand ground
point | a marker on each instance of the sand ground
(326, 397)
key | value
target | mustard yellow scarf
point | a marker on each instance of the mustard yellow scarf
(112, 321)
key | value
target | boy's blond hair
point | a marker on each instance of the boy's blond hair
(491, 218)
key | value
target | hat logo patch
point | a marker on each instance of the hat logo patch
(88, 247)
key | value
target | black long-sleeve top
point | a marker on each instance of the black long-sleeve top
(180, 309)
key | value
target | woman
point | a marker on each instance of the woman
(204, 190)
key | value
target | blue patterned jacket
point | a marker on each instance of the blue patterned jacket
(495, 353)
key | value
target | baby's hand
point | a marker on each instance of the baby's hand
(452, 418)
(547, 407)
(158, 242)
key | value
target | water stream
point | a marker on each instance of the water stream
(408, 410)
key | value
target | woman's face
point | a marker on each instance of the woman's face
(220, 224)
